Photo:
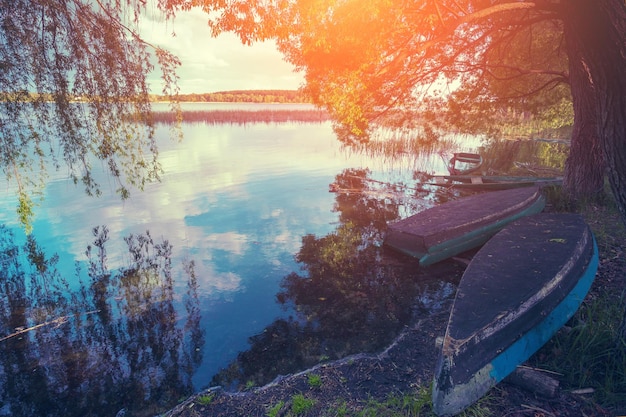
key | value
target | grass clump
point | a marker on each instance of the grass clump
(301, 405)
(340, 409)
(412, 405)
(205, 399)
(407, 405)
(275, 409)
(314, 381)
(417, 404)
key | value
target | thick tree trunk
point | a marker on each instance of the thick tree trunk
(598, 28)
(584, 167)
(608, 71)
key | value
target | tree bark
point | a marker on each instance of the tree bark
(598, 29)
(585, 164)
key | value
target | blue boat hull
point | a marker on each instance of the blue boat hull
(517, 292)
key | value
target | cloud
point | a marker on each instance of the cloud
(217, 64)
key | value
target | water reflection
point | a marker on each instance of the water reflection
(352, 296)
(114, 345)
(130, 327)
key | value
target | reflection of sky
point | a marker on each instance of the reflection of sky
(235, 199)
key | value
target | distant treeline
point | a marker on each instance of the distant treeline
(242, 96)
(242, 116)
(234, 96)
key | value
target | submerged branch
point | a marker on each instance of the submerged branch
(56, 322)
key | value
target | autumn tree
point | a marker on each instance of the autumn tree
(73, 91)
(363, 59)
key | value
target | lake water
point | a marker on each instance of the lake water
(170, 288)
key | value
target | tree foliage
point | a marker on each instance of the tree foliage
(72, 73)
(366, 60)
(522, 76)
(363, 59)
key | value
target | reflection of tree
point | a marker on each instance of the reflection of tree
(351, 298)
(346, 289)
(113, 344)
(370, 204)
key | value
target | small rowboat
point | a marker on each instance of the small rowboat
(518, 290)
(463, 163)
(449, 229)
(491, 183)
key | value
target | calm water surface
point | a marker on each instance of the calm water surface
(167, 291)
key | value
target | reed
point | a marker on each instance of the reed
(241, 117)
(394, 143)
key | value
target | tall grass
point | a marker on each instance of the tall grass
(242, 117)
(394, 143)
(523, 157)
(590, 352)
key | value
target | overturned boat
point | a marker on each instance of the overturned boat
(457, 226)
(519, 289)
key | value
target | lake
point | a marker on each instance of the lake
(132, 305)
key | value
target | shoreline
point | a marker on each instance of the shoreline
(406, 366)
(353, 380)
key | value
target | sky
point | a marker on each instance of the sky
(217, 64)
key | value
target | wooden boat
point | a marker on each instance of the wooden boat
(463, 163)
(446, 230)
(491, 183)
(518, 290)
(500, 178)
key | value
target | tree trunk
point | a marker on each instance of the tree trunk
(601, 26)
(585, 164)
(609, 75)
(598, 28)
